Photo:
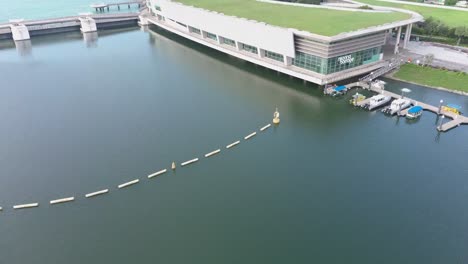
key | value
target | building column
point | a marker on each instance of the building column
(220, 40)
(261, 53)
(238, 46)
(397, 42)
(203, 34)
(287, 60)
(407, 35)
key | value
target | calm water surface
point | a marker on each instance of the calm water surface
(330, 184)
(38, 9)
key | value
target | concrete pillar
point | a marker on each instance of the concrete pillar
(287, 60)
(220, 40)
(88, 24)
(407, 35)
(143, 20)
(203, 34)
(397, 42)
(261, 53)
(19, 30)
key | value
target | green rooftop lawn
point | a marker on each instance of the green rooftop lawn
(433, 77)
(453, 18)
(315, 20)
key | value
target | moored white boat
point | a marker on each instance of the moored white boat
(397, 105)
(378, 101)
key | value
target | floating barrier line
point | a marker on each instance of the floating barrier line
(123, 185)
(157, 173)
(189, 162)
(97, 193)
(63, 200)
(21, 206)
(233, 144)
(250, 135)
(212, 153)
(265, 127)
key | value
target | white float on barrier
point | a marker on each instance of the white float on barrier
(123, 185)
(189, 162)
(212, 153)
(265, 127)
(156, 173)
(63, 200)
(250, 135)
(233, 144)
(1, 209)
(97, 193)
(21, 206)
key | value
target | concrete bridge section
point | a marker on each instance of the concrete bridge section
(456, 121)
(64, 24)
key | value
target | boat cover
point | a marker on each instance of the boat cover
(340, 88)
(454, 106)
(415, 109)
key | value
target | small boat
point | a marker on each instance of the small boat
(414, 112)
(336, 90)
(377, 101)
(339, 90)
(356, 99)
(397, 105)
(456, 109)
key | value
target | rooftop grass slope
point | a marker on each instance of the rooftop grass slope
(453, 18)
(321, 21)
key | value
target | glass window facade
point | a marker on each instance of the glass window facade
(195, 30)
(211, 36)
(274, 56)
(229, 42)
(336, 64)
(248, 48)
(182, 24)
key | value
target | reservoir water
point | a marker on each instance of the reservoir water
(330, 184)
(31, 9)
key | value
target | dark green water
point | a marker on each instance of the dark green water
(331, 184)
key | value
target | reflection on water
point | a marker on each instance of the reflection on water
(91, 39)
(24, 47)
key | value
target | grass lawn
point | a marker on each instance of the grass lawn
(433, 77)
(315, 20)
(453, 18)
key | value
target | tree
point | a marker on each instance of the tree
(461, 32)
(427, 59)
(450, 2)
(431, 25)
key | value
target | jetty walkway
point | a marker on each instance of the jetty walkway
(456, 121)
(102, 6)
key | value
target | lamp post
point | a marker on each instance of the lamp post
(404, 90)
(440, 106)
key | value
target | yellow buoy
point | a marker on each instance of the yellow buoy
(173, 165)
(276, 118)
